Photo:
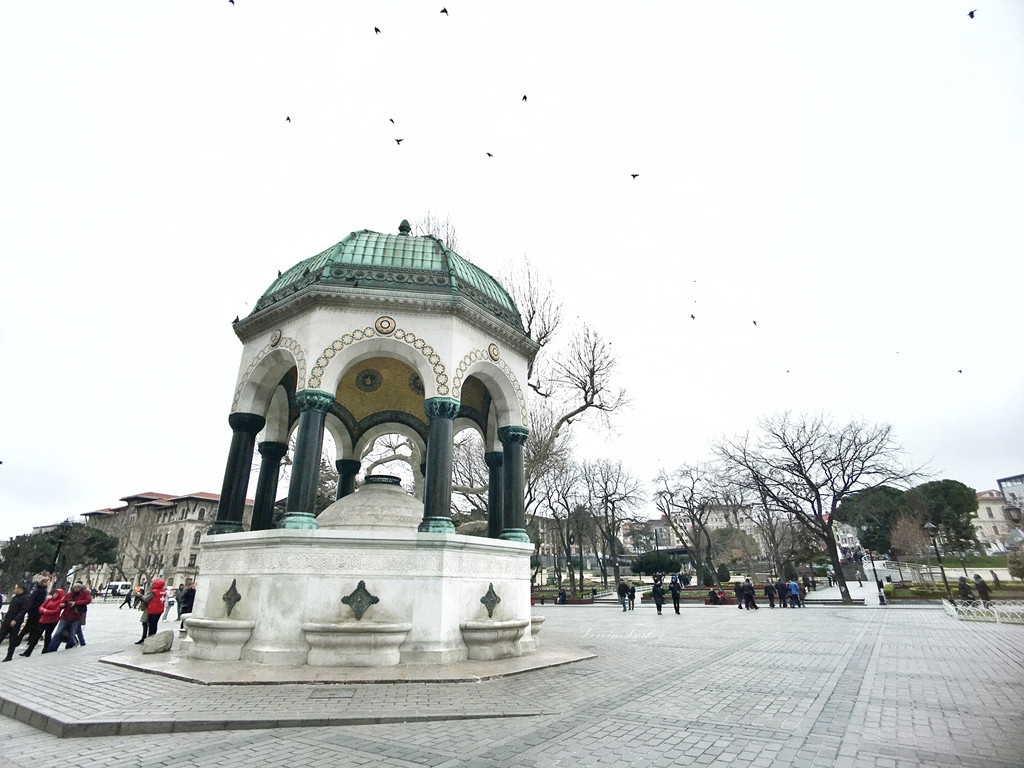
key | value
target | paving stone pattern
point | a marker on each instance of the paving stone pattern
(866, 687)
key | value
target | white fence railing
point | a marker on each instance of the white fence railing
(999, 611)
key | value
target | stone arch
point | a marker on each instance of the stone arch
(389, 428)
(462, 424)
(501, 382)
(363, 343)
(278, 418)
(342, 438)
(265, 371)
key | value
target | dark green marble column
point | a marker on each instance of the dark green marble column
(437, 495)
(245, 427)
(309, 440)
(514, 512)
(347, 471)
(495, 494)
(266, 486)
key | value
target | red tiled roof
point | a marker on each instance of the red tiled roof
(147, 495)
(100, 512)
(200, 495)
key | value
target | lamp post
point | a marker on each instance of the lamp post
(64, 528)
(930, 527)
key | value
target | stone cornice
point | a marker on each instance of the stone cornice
(325, 296)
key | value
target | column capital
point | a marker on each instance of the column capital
(246, 422)
(513, 435)
(441, 407)
(314, 400)
(272, 450)
(494, 459)
(348, 466)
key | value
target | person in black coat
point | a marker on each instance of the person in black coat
(658, 592)
(737, 590)
(982, 587)
(964, 589)
(675, 588)
(11, 628)
(188, 599)
(769, 592)
(33, 630)
(748, 595)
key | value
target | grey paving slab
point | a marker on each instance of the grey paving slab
(845, 686)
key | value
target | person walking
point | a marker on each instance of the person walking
(632, 595)
(995, 579)
(769, 592)
(152, 606)
(675, 588)
(748, 595)
(737, 590)
(794, 593)
(33, 629)
(623, 592)
(982, 587)
(72, 610)
(127, 599)
(11, 629)
(658, 592)
(48, 616)
(964, 589)
(782, 590)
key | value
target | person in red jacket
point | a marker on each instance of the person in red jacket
(72, 610)
(48, 613)
(154, 608)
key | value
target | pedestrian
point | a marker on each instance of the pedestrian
(794, 593)
(965, 589)
(623, 591)
(806, 583)
(658, 591)
(713, 598)
(632, 595)
(737, 590)
(982, 587)
(151, 605)
(782, 590)
(71, 613)
(748, 595)
(128, 595)
(172, 600)
(675, 588)
(769, 592)
(995, 579)
(11, 629)
(48, 616)
(33, 630)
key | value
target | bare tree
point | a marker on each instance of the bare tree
(470, 475)
(560, 494)
(907, 538)
(686, 499)
(442, 229)
(806, 466)
(613, 495)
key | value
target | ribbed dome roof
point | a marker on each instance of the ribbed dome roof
(373, 261)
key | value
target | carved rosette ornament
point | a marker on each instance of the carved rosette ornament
(232, 597)
(314, 400)
(275, 338)
(493, 352)
(441, 407)
(513, 434)
(490, 600)
(360, 600)
(385, 325)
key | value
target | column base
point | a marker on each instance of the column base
(436, 525)
(298, 521)
(515, 534)
(225, 527)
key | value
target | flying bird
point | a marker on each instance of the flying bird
(755, 322)
(376, 30)
(444, 11)
(524, 97)
(959, 371)
(392, 120)
(399, 141)
(634, 175)
(279, 273)
(693, 317)
(287, 119)
(971, 14)
(490, 155)
(231, 1)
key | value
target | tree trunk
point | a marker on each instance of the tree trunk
(833, 556)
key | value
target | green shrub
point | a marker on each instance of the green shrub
(723, 573)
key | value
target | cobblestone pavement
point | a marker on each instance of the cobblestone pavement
(864, 687)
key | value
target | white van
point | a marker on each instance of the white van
(118, 588)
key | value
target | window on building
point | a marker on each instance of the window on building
(995, 530)
(181, 535)
(202, 512)
(174, 562)
(195, 539)
(192, 561)
(165, 539)
(989, 510)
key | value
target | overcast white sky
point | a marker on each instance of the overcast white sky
(849, 175)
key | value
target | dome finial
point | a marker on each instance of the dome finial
(404, 228)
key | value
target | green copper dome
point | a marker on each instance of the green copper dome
(374, 261)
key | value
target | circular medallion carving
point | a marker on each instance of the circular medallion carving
(494, 352)
(275, 338)
(416, 384)
(368, 380)
(385, 325)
